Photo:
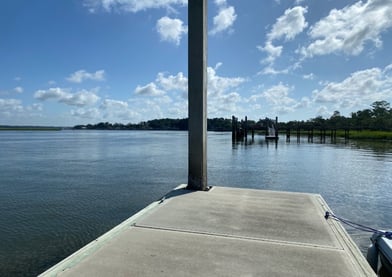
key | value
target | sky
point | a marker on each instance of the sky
(69, 62)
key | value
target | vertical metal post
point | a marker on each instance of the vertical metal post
(197, 94)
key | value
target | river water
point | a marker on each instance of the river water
(60, 190)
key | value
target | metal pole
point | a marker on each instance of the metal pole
(197, 94)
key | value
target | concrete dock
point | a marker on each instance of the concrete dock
(222, 232)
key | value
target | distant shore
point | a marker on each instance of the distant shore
(353, 134)
(30, 128)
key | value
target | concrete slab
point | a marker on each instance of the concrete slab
(223, 232)
(151, 252)
(283, 216)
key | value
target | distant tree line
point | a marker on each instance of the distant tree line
(214, 124)
(378, 117)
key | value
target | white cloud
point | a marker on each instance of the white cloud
(222, 97)
(218, 85)
(131, 5)
(150, 108)
(18, 89)
(323, 111)
(178, 82)
(222, 104)
(118, 110)
(220, 2)
(357, 90)
(114, 104)
(10, 106)
(224, 19)
(309, 76)
(171, 29)
(216, 67)
(164, 83)
(289, 25)
(349, 29)
(150, 89)
(286, 27)
(80, 98)
(35, 107)
(14, 111)
(278, 98)
(92, 113)
(269, 70)
(82, 75)
(170, 93)
(279, 95)
(272, 51)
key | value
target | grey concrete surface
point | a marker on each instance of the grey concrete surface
(223, 232)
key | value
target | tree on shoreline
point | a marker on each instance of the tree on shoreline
(379, 117)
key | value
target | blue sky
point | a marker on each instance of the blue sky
(69, 62)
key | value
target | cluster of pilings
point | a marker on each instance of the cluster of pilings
(240, 129)
(323, 134)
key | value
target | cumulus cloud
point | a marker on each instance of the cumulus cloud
(289, 25)
(150, 89)
(349, 29)
(92, 113)
(222, 95)
(131, 5)
(278, 97)
(171, 91)
(272, 51)
(286, 27)
(218, 85)
(359, 89)
(269, 70)
(35, 107)
(171, 29)
(80, 98)
(164, 83)
(223, 20)
(13, 109)
(18, 89)
(173, 82)
(82, 75)
(309, 76)
(10, 106)
(116, 109)
(222, 104)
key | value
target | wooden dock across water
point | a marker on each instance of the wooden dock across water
(222, 232)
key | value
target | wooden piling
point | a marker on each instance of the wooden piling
(246, 128)
(288, 134)
(311, 135)
(233, 128)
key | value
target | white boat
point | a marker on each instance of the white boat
(379, 254)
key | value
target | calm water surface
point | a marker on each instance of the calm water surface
(60, 190)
